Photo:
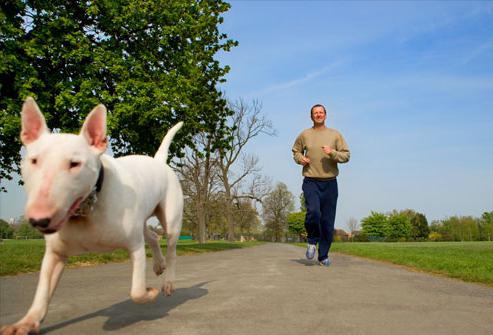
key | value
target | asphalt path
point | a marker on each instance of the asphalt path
(268, 289)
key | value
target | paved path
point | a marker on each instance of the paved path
(269, 289)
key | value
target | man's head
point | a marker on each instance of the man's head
(318, 114)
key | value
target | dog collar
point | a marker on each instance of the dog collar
(99, 182)
(87, 205)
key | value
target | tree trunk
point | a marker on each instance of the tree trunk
(229, 211)
(230, 221)
(204, 199)
(201, 223)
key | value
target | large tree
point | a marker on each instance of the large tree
(247, 122)
(198, 173)
(276, 207)
(150, 62)
(246, 218)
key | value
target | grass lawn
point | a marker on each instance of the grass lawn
(469, 261)
(19, 256)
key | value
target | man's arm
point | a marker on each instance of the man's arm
(341, 153)
(298, 153)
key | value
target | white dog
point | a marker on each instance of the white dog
(85, 201)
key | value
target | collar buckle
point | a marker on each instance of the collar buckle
(87, 206)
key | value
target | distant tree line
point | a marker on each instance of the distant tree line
(19, 229)
(463, 228)
(400, 226)
(409, 225)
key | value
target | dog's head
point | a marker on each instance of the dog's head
(59, 170)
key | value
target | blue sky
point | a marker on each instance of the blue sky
(408, 84)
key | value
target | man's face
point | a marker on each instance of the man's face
(318, 115)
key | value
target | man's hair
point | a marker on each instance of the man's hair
(315, 106)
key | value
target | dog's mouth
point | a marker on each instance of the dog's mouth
(75, 206)
(54, 228)
(58, 225)
(48, 231)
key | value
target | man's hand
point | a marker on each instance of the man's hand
(304, 160)
(327, 149)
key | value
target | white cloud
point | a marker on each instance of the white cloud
(478, 51)
(297, 81)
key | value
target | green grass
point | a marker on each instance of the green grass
(468, 261)
(20, 256)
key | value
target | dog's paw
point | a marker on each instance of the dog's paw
(150, 295)
(23, 328)
(168, 288)
(159, 267)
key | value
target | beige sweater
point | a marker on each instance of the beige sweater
(309, 143)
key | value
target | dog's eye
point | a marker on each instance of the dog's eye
(74, 164)
(34, 161)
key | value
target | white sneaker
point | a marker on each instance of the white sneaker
(311, 249)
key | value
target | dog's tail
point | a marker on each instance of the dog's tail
(162, 152)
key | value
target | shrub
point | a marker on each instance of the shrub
(360, 237)
(434, 236)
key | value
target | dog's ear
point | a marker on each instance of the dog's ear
(33, 122)
(94, 128)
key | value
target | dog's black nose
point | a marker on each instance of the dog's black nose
(41, 223)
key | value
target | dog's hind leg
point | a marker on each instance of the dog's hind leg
(153, 241)
(169, 276)
(172, 224)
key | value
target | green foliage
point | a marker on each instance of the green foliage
(374, 226)
(6, 231)
(26, 231)
(410, 225)
(455, 228)
(420, 229)
(487, 217)
(296, 223)
(246, 218)
(397, 226)
(434, 236)
(486, 226)
(150, 62)
(360, 237)
(438, 228)
(418, 222)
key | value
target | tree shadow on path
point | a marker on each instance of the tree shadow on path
(126, 313)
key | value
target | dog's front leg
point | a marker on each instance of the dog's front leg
(51, 269)
(139, 292)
